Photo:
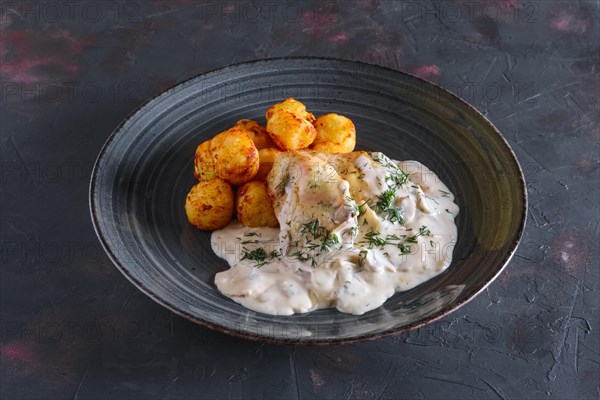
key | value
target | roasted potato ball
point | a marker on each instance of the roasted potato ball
(209, 204)
(254, 205)
(257, 133)
(204, 167)
(290, 132)
(267, 157)
(335, 134)
(235, 156)
(293, 106)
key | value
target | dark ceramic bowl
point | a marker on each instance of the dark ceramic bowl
(144, 172)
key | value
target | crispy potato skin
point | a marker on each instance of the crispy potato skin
(267, 158)
(204, 167)
(294, 106)
(209, 204)
(235, 156)
(290, 132)
(257, 133)
(245, 155)
(254, 207)
(335, 134)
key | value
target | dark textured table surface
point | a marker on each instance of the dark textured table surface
(73, 327)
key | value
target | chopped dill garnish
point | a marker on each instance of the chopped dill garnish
(384, 200)
(313, 228)
(322, 240)
(300, 256)
(384, 204)
(362, 209)
(394, 180)
(274, 254)
(259, 255)
(304, 257)
(395, 215)
(404, 249)
(373, 239)
(423, 231)
(397, 178)
(393, 237)
(329, 240)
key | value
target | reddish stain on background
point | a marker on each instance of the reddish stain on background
(587, 162)
(17, 352)
(428, 72)
(570, 21)
(55, 344)
(316, 378)
(73, 44)
(32, 56)
(361, 389)
(338, 37)
(229, 9)
(315, 22)
(572, 252)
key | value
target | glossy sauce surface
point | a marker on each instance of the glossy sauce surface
(354, 229)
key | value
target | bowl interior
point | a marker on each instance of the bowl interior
(145, 171)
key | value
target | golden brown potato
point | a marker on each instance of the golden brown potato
(204, 167)
(254, 205)
(209, 204)
(235, 156)
(257, 133)
(290, 132)
(335, 134)
(267, 157)
(293, 106)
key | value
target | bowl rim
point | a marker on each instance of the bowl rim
(94, 213)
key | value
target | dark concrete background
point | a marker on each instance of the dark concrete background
(73, 327)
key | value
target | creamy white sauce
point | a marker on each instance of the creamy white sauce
(358, 254)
